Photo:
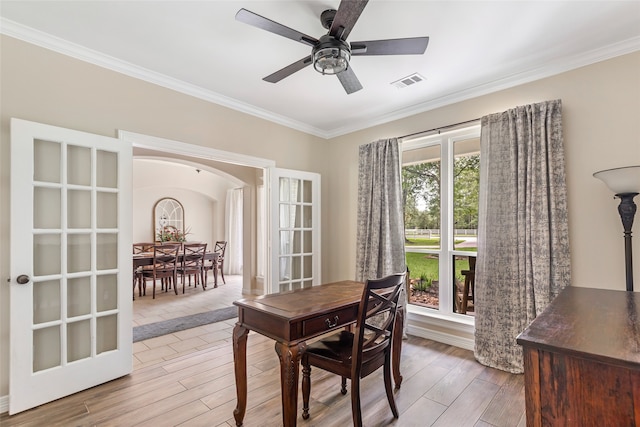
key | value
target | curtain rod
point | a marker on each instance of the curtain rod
(439, 128)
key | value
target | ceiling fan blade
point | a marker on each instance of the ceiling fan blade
(261, 22)
(348, 13)
(349, 81)
(288, 70)
(408, 46)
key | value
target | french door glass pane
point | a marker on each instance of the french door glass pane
(79, 159)
(107, 209)
(106, 251)
(107, 333)
(46, 301)
(46, 254)
(106, 169)
(79, 209)
(78, 253)
(78, 296)
(46, 348)
(107, 292)
(78, 340)
(46, 161)
(48, 202)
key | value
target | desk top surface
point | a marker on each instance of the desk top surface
(302, 303)
(590, 323)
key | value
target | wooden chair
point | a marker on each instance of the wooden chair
(468, 290)
(221, 248)
(139, 248)
(165, 267)
(217, 265)
(192, 264)
(358, 354)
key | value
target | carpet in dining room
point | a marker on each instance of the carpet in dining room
(152, 330)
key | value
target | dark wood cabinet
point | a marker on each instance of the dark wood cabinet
(582, 360)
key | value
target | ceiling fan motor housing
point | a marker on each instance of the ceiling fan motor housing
(331, 55)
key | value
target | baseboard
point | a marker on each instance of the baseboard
(443, 337)
(4, 404)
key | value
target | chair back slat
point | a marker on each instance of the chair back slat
(139, 248)
(376, 319)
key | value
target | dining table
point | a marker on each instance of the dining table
(146, 258)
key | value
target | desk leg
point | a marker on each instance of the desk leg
(396, 349)
(240, 367)
(289, 369)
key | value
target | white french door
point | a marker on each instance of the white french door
(295, 229)
(71, 284)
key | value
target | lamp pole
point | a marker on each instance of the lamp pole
(627, 210)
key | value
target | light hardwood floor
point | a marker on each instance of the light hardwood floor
(186, 378)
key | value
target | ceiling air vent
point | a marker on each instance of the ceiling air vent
(408, 81)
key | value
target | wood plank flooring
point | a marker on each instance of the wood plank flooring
(187, 379)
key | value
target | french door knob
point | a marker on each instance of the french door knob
(23, 279)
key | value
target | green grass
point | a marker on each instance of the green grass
(426, 242)
(427, 264)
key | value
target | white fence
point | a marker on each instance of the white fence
(434, 232)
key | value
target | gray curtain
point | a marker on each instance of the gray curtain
(380, 227)
(523, 239)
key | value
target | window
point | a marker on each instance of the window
(441, 181)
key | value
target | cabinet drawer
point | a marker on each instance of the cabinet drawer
(326, 322)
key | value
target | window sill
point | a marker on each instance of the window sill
(453, 329)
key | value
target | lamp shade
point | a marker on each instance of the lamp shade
(621, 180)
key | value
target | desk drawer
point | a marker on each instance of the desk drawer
(326, 322)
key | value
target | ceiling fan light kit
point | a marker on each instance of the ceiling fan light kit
(331, 54)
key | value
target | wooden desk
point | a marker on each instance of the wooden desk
(146, 258)
(290, 318)
(582, 360)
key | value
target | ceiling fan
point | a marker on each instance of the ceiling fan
(330, 54)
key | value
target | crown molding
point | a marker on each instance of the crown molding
(550, 68)
(560, 65)
(56, 44)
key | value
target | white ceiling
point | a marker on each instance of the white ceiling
(198, 47)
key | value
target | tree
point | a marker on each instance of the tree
(421, 193)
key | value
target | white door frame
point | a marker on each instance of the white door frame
(155, 143)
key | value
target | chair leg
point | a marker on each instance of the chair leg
(388, 386)
(343, 389)
(222, 273)
(356, 413)
(306, 390)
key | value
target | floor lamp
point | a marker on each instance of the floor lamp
(625, 183)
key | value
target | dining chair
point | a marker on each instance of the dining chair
(192, 264)
(221, 248)
(164, 267)
(357, 354)
(139, 248)
(216, 265)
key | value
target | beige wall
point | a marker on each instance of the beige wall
(42, 86)
(601, 116)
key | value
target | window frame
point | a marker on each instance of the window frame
(444, 316)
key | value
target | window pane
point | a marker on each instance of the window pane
(466, 185)
(464, 283)
(421, 187)
(424, 279)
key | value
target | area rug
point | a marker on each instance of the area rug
(152, 330)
